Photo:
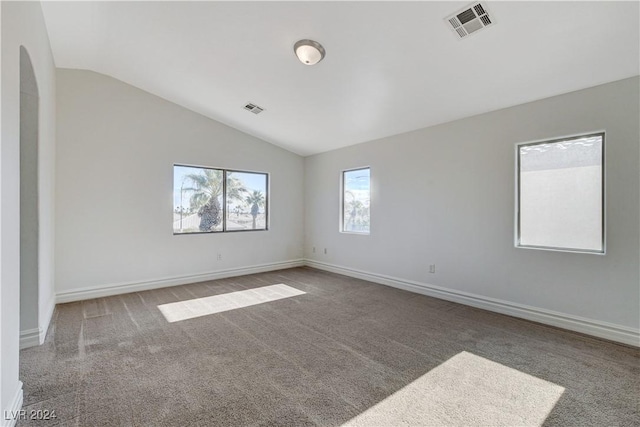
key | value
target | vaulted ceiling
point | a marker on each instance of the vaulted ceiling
(391, 67)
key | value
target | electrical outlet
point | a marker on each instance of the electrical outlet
(219, 257)
(432, 268)
(314, 249)
(325, 251)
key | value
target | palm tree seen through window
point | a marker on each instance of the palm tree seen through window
(201, 193)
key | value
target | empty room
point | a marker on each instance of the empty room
(308, 213)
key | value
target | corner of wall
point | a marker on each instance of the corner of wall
(36, 336)
(45, 320)
(12, 413)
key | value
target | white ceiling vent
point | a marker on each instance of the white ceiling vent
(469, 20)
(253, 108)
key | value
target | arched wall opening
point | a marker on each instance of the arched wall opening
(29, 129)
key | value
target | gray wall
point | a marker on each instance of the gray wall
(28, 194)
(114, 221)
(445, 195)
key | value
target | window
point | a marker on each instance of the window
(356, 195)
(560, 203)
(208, 200)
(246, 201)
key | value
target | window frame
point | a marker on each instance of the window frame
(341, 227)
(224, 198)
(517, 225)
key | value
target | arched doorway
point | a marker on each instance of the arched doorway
(29, 105)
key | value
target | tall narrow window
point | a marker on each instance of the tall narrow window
(356, 199)
(207, 200)
(561, 194)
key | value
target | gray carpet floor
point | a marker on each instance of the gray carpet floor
(345, 352)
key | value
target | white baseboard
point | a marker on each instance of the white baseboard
(12, 413)
(613, 332)
(36, 336)
(609, 331)
(123, 288)
(30, 338)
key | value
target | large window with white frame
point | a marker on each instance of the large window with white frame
(560, 194)
(356, 201)
(210, 200)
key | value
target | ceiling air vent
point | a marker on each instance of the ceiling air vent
(253, 108)
(469, 20)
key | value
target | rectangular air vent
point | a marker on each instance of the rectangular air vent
(253, 108)
(469, 20)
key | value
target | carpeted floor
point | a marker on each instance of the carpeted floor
(345, 351)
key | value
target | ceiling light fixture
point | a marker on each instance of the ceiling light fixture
(309, 52)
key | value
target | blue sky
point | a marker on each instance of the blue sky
(357, 179)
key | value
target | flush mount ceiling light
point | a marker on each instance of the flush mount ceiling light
(309, 52)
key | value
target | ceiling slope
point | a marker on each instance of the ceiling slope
(390, 67)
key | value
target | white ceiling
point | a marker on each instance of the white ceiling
(390, 67)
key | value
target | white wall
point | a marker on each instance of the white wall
(445, 195)
(23, 25)
(116, 146)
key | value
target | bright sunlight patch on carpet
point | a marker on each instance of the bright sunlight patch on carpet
(189, 309)
(466, 390)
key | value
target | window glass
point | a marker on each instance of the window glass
(246, 201)
(560, 194)
(207, 200)
(356, 201)
(197, 199)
